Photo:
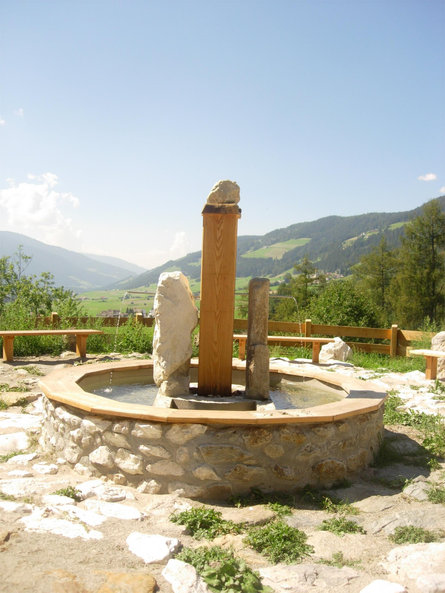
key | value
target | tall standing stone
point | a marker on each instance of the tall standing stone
(257, 351)
(176, 316)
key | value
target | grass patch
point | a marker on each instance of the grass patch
(338, 560)
(7, 456)
(340, 525)
(383, 363)
(436, 494)
(409, 534)
(320, 500)
(222, 571)
(32, 370)
(71, 492)
(4, 496)
(279, 542)
(205, 523)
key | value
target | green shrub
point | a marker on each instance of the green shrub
(409, 534)
(222, 571)
(340, 525)
(279, 542)
(205, 523)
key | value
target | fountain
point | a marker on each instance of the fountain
(211, 442)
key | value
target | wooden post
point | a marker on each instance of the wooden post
(8, 348)
(308, 328)
(393, 341)
(218, 273)
(139, 318)
(55, 319)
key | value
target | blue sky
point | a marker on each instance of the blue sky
(117, 118)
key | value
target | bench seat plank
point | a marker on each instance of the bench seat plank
(288, 340)
(81, 338)
(431, 357)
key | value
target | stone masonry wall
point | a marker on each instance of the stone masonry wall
(212, 461)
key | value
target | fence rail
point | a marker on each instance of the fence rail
(393, 341)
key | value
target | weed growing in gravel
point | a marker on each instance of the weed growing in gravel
(281, 510)
(320, 500)
(279, 542)
(436, 494)
(205, 523)
(222, 571)
(340, 525)
(409, 534)
(338, 560)
(4, 496)
(32, 370)
(3, 405)
(71, 492)
(7, 456)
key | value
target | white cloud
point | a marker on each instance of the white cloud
(19, 112)
(442, 189)
(35, 208)
(2, 122)
(180, 245)
(427, 177)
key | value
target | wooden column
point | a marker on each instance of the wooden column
(218, 273)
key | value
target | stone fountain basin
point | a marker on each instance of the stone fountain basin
(210, 454)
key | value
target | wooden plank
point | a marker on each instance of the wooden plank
(218, 275)
(352, 332)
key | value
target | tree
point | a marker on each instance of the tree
(342, 303)
(31, 295)
(373, 276)
(418, 289)
(300, 289)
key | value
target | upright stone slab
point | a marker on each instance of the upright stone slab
(257, 351)
(176, 316)
(438, 343)
(218, 272)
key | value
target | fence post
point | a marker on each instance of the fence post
(139, 318)
(307, 328)
(55, 319)
(393, 341)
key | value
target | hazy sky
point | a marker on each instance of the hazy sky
(117, 117)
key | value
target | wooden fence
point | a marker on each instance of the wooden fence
(392, 341)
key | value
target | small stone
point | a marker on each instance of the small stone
(165, 468)
(205, 472)
(147, 431)
(116, 440)
(182, 433)
(274, 451)
(37, 522)
(246, 473)
(129, 463)
(154, 451)
(45, 468)
(113, 509)
(151, 487)
(152, 548)
(223, 454)
(183, 578)
(102, 456)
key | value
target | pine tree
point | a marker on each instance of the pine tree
(418, 289)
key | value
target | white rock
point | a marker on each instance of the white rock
(224, 192)
(37, 522)
(151, 487)
(20, 473)
(147, 431)
(301, 578)
(15, 507)
(23, 459)
(415, 560)
(15, 441)
(89, 488)
(151, 548)
(19, 487)
(111, 493)
(8, 421)
(337, 350)
(176, 316)
(129, 463)
(89, 517)
(183, 578)
(57, 500)
(113, 509)
(438, 343)
(45, 468)
(431, 583)
(381, 586)
(102, 456)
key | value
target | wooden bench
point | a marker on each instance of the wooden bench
(431, 357)
(81, 338)
(285, 340)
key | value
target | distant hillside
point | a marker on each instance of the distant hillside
(70, 269)
(334, 243)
